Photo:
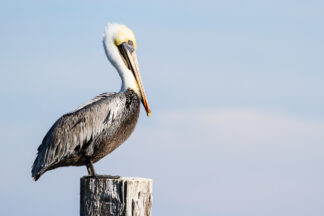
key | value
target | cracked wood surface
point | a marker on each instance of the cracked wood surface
(115, 196)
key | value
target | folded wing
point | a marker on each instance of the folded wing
(73, 131)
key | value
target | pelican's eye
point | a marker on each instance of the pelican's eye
(130, 46)
(130, 43)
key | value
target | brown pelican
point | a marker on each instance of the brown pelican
(87, 134)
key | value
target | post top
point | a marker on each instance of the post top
(118, 178)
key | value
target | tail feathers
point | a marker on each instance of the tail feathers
(36, 177)
(37, 170)
(36, 173)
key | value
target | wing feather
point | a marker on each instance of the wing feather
(75, 129)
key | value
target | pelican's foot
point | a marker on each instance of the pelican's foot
(103, 176)
(107, 176)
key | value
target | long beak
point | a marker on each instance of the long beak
(131, 60)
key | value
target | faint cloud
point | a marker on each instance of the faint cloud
(260, 161)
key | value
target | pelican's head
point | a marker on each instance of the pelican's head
(120, 45)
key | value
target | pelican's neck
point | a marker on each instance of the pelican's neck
(127, 76)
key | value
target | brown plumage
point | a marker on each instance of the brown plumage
(95, 129)
(88, 133)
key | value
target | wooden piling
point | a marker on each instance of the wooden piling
(115, 196)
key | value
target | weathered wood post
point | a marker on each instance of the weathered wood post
(115, 196)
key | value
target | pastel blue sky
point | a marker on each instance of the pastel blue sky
(236, 92)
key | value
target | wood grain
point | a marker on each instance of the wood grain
(121, 196)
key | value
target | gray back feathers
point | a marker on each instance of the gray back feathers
(68, 141)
